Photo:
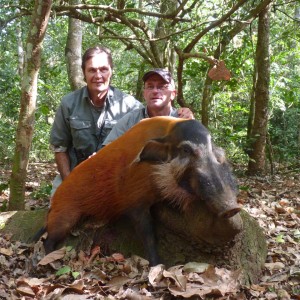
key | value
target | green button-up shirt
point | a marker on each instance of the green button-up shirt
(80, 128)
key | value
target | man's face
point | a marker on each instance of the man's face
(98, 73)
(158, 93)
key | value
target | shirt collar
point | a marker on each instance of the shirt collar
(109, 96)
(85, 94)
(173, 112)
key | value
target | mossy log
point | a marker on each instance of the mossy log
(196, 235)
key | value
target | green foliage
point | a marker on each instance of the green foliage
(63, 270)
(9, 110)
(67, 270)
(280, 238)
(75, 274)
(231, 99)
(43, 192)
(284, 125)
(284, 133)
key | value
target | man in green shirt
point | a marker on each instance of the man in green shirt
(86, 116)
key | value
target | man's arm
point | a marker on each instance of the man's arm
(123, 125)
(119, 129)
(62, 160)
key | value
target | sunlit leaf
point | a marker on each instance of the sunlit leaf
(280, 238)
(63, 270)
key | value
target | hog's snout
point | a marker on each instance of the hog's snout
(216, 186)
(230, 213)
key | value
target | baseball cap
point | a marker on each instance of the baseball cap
(164, 74)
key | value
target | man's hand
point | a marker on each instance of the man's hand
(185, 113)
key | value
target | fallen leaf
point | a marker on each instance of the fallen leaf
(118, 257)
(279, 209)
(195, 267)
(76, 287)
(257, 288)
(156, 274)
(179, 280)
(5, 251)
(274, 266)
(95, 251)
(118, 281)
(25, 290)
(55, 255)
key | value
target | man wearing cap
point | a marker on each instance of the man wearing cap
(159, 92)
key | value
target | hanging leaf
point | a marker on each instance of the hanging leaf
(219, 72)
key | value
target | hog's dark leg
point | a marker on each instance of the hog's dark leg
(50, 245)
(144, 227)
(59, 224)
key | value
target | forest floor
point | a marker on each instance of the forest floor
(274, 201)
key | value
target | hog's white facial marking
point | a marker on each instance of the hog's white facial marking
(196, 158)
(167, 175)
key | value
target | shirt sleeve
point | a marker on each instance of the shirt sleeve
(174, 112)
(133, 103)
(124, 124)
(119, 129)
(136, 104)
(60, 135)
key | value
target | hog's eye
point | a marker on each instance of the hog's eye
(186, 149)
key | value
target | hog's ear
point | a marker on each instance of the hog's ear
(154, 151)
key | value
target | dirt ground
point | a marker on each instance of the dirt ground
(274, 201)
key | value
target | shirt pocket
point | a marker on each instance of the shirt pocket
(81, 132)
(79, 124)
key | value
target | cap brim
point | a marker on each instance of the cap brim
(151, 73)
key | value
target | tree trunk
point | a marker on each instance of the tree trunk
(73, 52)
(25, 127)
(251, 112)
(197, 235)
(20, 48)
(257, 141)
(164, 50)
(164, 28)
(206, 100)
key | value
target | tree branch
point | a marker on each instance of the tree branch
(129, 45)
(214, 24)
(65, 9)
(240, 26)
(5, 22)
(292, 18)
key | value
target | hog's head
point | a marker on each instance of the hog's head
(188, 167)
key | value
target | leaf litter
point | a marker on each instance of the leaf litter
(26, 273)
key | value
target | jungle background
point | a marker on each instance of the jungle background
(254, 115)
